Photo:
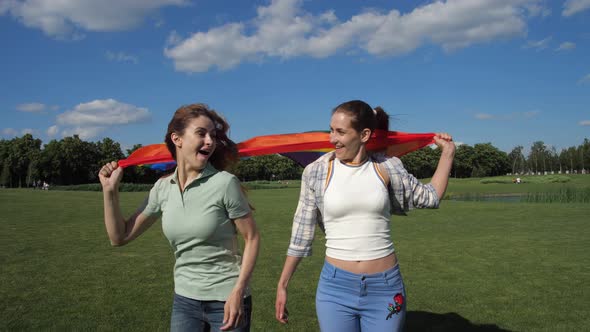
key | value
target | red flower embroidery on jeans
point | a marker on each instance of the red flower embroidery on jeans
(398, 299)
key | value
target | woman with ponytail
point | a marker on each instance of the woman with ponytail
(351, 194)
(202, 208)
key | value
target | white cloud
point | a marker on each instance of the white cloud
(106, 112)
(283, 29)
(121, 57)
(537, 9)
(83, 132)
(9, 132)
(483, 116)
(571, 7)
(584, 123)
(585, 79)
(89, 119)
(31, 107)
(27, 131)
(52, 131)
(65, 19)
(538, 44)
(566, 46)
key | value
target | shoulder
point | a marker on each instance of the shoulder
(163, 181)
(225, 178)
(322, 161)
(318, 166)
(391, 164)
(225, 175)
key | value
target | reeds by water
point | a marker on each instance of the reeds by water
(566, 195)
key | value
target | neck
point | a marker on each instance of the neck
(360, 157)
(186, 174)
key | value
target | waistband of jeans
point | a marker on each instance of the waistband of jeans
(335, 271)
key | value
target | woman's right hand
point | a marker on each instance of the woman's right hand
(110, 176)
(281, 312)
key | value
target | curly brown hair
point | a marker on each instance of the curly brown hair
(226, 151)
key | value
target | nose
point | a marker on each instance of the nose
(209, 140)
(333, 138)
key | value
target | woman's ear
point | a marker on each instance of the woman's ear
(365, 135)
(176, 139)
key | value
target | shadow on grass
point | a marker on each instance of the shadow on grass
(418, 321)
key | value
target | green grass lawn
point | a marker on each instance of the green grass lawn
(480, 266)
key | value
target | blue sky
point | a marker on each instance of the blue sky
(499, 71)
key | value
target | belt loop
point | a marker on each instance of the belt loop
(334, 268)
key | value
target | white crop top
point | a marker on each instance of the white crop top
(356, 213)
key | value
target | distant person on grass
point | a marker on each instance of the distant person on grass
(201, 207)
(351, 193)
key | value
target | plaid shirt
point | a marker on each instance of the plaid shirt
(405, 193)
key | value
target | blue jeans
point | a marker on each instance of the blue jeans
(346, 301)
(194, 315)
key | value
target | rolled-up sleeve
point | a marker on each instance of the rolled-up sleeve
(305, 218)
(409, 191)
(421, 195)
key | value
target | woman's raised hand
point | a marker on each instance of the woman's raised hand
(444, 141)
(110, 176)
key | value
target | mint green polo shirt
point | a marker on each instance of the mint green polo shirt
(198, 224)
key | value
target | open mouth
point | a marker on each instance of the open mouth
(204, 152)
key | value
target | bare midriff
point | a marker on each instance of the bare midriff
(365, 267)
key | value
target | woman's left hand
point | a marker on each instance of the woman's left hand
(233, 311)
(444, 141)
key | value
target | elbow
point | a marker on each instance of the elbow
(254, 238)
(252, 241)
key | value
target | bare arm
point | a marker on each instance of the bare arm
(233, 306)
(281, 312)
(120, 231)
(440, 179)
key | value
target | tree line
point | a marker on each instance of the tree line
(24, 162)
(483, 159)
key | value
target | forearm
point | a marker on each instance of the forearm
(291, 263)
(113, 219)
(251, 246)
(440, 179)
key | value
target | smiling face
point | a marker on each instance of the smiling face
(348, 142)
(196, 144)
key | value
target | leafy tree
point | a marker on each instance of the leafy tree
(516, 158)
(538, 157)
(569, 158)
(584, 151)
(463, 162)
(489, 161)
(270, 167)
(5, 162)
(22, 152)
(70, 161)
(51, 162)
(108, 150)
(421, 163)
